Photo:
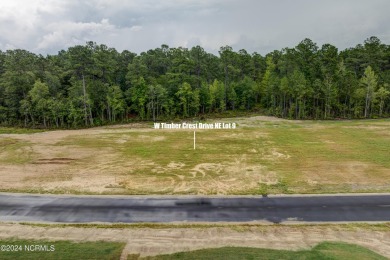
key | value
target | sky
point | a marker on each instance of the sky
(48, 26)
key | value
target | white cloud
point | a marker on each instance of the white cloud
(69, 33)
(136, 28)
(47, 26)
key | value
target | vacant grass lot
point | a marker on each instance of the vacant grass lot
(12, 249)
(326, 250)
(263, 155)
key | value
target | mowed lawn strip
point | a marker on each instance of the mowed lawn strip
(15, 130)
(12, 249)
(326, 250)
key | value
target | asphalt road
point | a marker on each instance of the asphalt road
(73, 209)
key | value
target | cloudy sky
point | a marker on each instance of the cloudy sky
(47, 26)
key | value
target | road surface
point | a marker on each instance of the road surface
(276, 209)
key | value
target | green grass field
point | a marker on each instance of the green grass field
(323, 251)
(15, 130)
(263, 155)
(13, 249)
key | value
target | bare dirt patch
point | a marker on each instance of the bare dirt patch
(175, 165)
(204, 167)
(204, 178)
(274, 155)
(267, 118)
(147, 241)
(54, 161)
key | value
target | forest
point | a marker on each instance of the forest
(91, 84)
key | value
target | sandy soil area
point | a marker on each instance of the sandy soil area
(148, 241)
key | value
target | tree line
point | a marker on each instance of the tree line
(93, 84)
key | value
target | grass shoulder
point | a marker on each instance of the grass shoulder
(19, 130)
(240, 227)
(43, 249)
(325, 250)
